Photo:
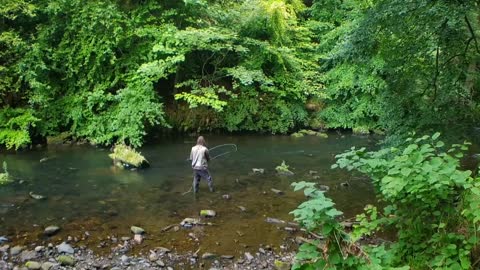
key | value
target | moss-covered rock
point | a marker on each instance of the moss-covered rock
(361, 130)
(59, 139)
(297, 135)
(127, 158)
(66, 260)
(279, 265)
(308, 132)
(33, 265)
(322, 135)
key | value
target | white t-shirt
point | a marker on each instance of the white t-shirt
(199, 157)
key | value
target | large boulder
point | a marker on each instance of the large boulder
(126, 157)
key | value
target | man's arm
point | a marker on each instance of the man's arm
(207, 155)
(191, 155)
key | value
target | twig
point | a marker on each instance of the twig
(168, 227)
(472, 33)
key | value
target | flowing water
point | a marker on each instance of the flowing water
(85, 193)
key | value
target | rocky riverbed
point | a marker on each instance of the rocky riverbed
(67, 255)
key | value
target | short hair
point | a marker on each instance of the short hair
(201, 141)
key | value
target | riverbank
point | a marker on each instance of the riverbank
(68, 255)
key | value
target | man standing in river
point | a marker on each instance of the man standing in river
(200, 157)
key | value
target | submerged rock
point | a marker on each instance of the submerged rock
(207, 213)
(277, 191)
(3, 239)
(36, 196)
(258, 170)
(324, 188)
(208, 256)
(275, 220)
(188, 222)
(51, 230)
(137, 230)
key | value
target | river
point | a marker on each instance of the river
(85, 193)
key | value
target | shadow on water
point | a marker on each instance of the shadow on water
(85, 193)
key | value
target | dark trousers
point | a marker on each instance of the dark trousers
(199, 174)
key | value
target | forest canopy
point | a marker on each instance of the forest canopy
(116, 71)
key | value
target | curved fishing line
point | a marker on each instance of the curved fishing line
(235, 149)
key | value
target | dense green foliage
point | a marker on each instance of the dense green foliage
(116, 70)
(431, 204)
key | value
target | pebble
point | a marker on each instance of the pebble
(262, 250)
(47, 265)
(4, 248)
(226, 196)
(16, 250)
(163, 250)
(137, 230)
(33, 265)
(208, 256)
(65, 248)
(277, 191)
(125, 238)
(28, 255)
(138, 238)
(248, 256)
(227, 257)
(39, 248)
(160, 263)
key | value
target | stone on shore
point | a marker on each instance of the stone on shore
(65, 248)
(33, 265)
(137, 230)
(66, 260)
(28, 255)
(138, 238)
(279, 265)
(16, 250)
(248, 256)
(47, 265)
